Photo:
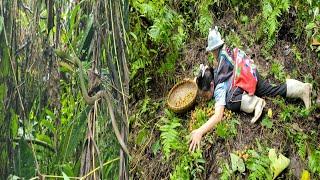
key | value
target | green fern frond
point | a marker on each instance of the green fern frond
(301, 144)
(205, 19)
(314, 161)
(285, 5)
(271, 11)
(169, 136)
(266, 9)
(147, 9)
(189, 166)
(204, 23)
(181, 170)
(258, 164)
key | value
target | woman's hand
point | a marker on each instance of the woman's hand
(197, 134)
(195, 139)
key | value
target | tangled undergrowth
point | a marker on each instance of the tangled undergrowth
(280, 128)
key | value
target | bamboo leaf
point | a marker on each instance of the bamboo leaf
(14, 124)
(74, 134)
(86, 37)
(45, 138)
(1, 24)
(73, 17)
(25, 162)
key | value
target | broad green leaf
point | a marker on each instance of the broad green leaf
(200, 161)
(142, 137)
(278, 164)
(5, 60)
(65, 177)
(311, 26)
(155, 147)
(237, 163)
(234, 161)
(267, 122)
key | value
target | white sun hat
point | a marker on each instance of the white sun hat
(214, 39)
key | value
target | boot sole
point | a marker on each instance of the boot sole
(254, 119)
(309, 95)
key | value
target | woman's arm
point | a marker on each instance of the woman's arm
(197, 134)
(213, 120)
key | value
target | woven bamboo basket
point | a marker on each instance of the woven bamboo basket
(182, 96)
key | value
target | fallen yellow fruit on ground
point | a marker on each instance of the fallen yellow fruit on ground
(270, 113)
(305, 175)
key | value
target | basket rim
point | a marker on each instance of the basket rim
(182, 108)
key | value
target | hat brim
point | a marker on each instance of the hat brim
(214, 47)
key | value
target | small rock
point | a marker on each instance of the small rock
(286, 50)
(248, 51)
(219, 170)
(296, 127)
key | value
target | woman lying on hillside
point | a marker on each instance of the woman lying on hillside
(241, 90)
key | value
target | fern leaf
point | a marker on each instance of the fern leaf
(314, 161)
(169, 136)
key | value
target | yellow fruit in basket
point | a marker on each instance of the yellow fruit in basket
(185, 99)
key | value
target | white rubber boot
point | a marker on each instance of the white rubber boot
(251, 104)
(297, 89)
